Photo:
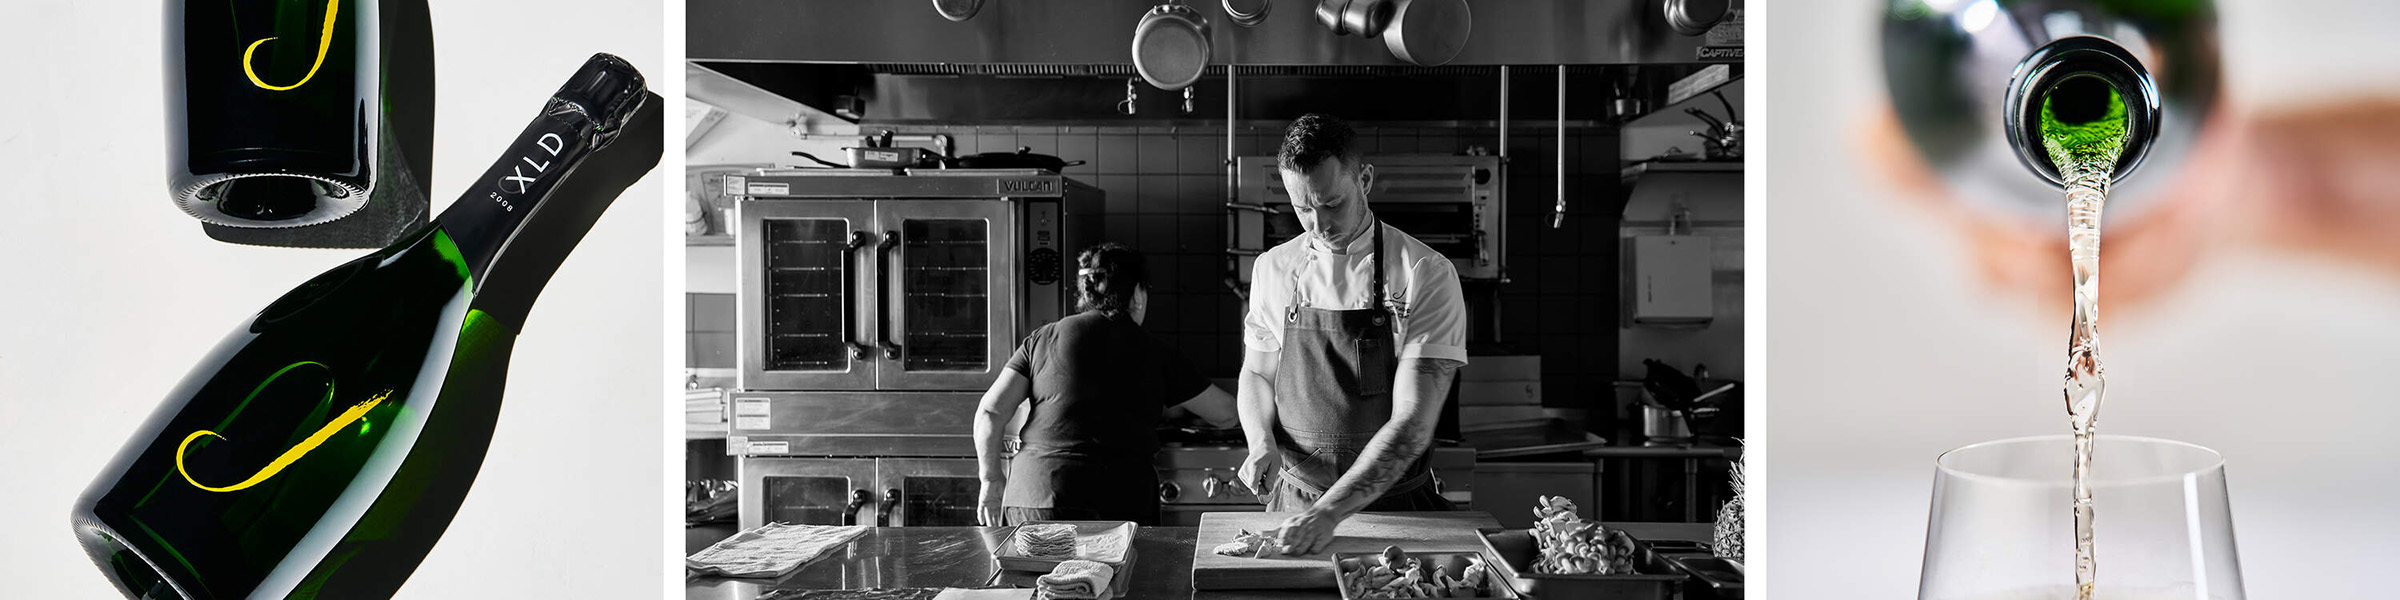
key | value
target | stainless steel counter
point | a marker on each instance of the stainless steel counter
(934, 557)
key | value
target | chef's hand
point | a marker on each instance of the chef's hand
(1308, 532)
(987, 506)
(1259, 471)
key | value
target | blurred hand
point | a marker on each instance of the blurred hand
(1260, 471)
(1308, 532)
(2324, 182)
(987, 505)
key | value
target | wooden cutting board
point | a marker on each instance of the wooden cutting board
(1366, 532)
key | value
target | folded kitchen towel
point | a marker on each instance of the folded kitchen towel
(1077, 580)
(769, 551)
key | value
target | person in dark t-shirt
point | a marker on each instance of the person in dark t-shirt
(1098, 383)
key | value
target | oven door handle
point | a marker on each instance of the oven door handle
(858, 500)
(883, 328)
(858, 349)
(891, 502)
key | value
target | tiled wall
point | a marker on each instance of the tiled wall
(1165, 191)
(708, 331)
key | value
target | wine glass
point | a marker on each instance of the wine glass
(2002, 525)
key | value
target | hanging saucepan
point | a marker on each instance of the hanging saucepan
(957, 10)
(1171, 46)
(1248, 19)
(1365, 18)
(1023, 158)
(1695, 17)
(1329, 14)
(1428, 33)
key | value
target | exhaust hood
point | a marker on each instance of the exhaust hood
(1022, 94)
(1082, 32)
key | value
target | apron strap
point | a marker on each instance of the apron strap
(1376, 301)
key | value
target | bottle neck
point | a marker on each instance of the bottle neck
(514, 225)
(2071, 66)
(495, 210)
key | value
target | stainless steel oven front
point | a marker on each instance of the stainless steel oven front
(862, 457)
(1452, 203)
(899, 282)
(881, 492)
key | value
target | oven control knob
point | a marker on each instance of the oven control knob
(1212, 485)
(1169, 492)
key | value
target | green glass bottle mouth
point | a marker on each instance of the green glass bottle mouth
(2081, 96)
(2083, 121)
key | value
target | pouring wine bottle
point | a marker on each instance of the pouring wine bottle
(322, 448)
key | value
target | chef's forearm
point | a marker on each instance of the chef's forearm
(1417, 395)
(1254, 403)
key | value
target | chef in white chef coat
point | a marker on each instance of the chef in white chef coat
(1353, 334)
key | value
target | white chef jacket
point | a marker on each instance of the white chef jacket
(1421, 287)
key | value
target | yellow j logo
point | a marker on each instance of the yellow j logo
(324, 41)
(356, 412)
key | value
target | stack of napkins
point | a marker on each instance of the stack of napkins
(769, 551)
(1077, 580)
(1046, 540)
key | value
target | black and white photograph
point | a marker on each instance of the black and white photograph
(1365, 299)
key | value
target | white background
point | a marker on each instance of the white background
(108, 294)
(1885, 349)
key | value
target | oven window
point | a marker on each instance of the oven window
(806, 500)
(808, 282)
(1447, 227)
(939, 501)
(945, 279)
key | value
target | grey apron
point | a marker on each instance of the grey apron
(1333, 391)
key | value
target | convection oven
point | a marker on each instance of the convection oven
(873, 308)
(856, 280)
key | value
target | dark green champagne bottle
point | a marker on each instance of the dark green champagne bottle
(275, 109)
(321, 449)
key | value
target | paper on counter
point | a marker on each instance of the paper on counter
(770, 550)
(992, 594)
